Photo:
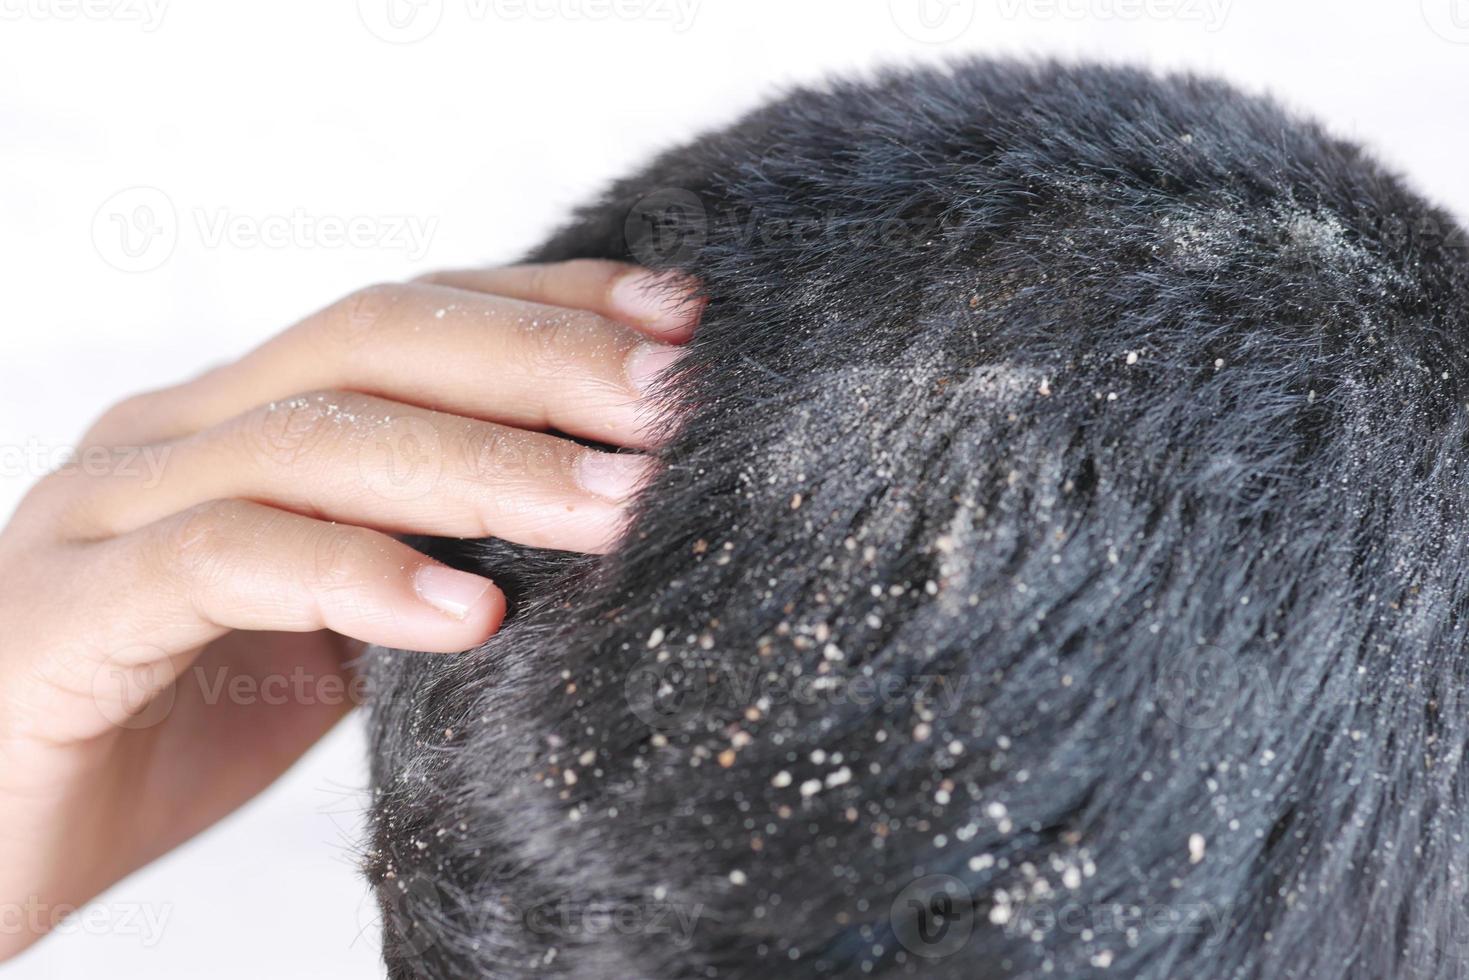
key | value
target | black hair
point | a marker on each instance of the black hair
(1057, 567)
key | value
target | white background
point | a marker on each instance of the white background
(481, 121)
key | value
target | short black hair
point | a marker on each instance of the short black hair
(1058, 566)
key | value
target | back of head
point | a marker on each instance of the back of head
(1057, 567)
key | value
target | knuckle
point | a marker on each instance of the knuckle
(288, 431)
(501, 456)
(44, 491)
(548, 343)
(487, 451)
(401, 458)
(357, 316)
(540, 280)
(61, 499)
(121, 416)
(197, 543)
(343, 556)
(605, 274)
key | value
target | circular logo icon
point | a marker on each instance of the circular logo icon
(401, 21)
(1449, 19)
(289, 430)
(933, 916)
(933, 21)
(1201, 689)
(134, 688)
(136, 230)
(1452, 939)
(1424, 233)
(665, 692)
(402, 459)
(409, 906)
(666, 227)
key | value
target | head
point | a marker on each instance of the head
(1057, 565)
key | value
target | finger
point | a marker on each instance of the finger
(437, 347)
(152, 598)
(237, 564)
(662, 305)
(348, 457)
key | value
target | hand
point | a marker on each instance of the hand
(178, 610)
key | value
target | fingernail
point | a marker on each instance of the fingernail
(661, 300)
(647, 362)
(615, 476)
(451, 592)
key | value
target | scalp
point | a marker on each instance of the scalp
(1063, 498)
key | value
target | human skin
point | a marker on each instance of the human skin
(176, 637)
